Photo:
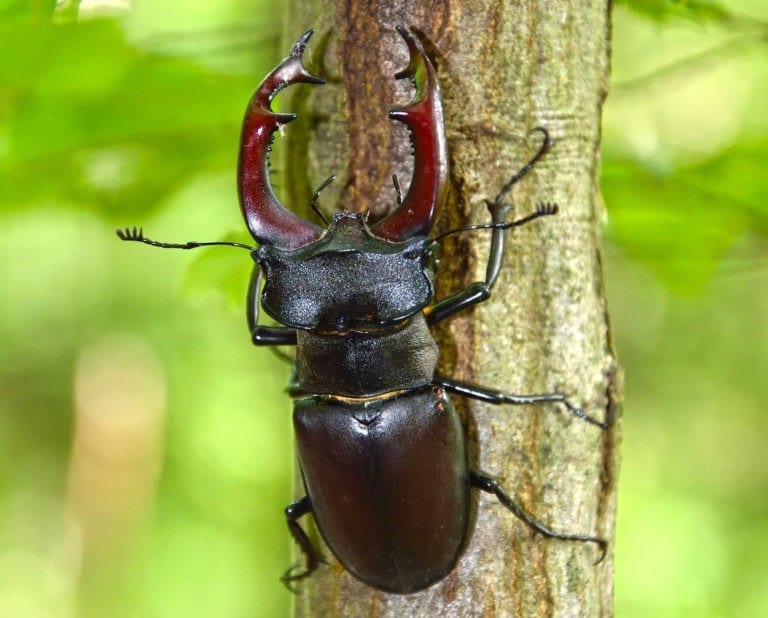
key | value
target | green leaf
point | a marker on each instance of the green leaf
(104, 126)
(682, 223)
(661, 10)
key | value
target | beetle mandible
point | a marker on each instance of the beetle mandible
(381, 449)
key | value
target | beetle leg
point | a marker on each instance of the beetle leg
(314, 558)
(545, 146)
(273, 335)
(479, 291)
(496, 397)
(264, 335)
(491, 486)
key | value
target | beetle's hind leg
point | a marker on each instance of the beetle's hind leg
(496, 397)
(313, 557)
(491, 486)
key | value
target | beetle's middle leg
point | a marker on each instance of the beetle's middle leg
(497, 397)
(492, 486)
(314, 558)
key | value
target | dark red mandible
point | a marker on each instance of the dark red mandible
(424, 117)
(272, 224)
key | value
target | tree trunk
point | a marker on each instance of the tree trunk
(505, 68)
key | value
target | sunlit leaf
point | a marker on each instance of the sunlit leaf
(682, 223)
(665, 9)
(104, 126)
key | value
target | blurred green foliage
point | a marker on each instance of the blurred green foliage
(106, 122)
(685, 147)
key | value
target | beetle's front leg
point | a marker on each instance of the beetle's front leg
(497, 397)
(479, 291)
(260, 334)
(314, 558)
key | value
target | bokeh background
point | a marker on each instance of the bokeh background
(144, 444)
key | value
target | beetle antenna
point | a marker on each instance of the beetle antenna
(137, 235)
(316, 196)
(543, 209)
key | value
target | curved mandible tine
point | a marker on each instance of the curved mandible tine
(268, 220)
(424, 117)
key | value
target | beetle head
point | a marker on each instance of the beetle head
(347, 280)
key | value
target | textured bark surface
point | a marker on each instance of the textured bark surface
(505, 68)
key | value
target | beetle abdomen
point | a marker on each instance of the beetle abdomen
(388, 483)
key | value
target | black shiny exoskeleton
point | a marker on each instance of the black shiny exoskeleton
(381, 449)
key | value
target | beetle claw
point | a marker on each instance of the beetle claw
(291, 576)
(603, 546)
(289, 582)
(583, 415)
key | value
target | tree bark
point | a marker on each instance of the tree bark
(505, 68)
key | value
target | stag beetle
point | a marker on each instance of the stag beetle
(381, 449)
